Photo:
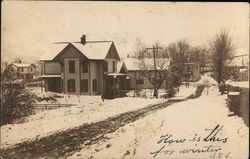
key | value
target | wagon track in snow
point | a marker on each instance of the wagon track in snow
(65, 143)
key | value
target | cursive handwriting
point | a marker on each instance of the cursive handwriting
(162, 150)
(168, 139)
(212, 136)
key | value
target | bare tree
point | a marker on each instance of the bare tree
(179, 52)
(153, 67)
(222, 51)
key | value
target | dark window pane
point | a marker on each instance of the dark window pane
(84, 67)
(113, 66)
(94, 85)
(140, 81)
(71, 66)
(84, 85)
(71, 85)
(105, 66)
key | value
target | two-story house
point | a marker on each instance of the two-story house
(24, 71)
(82, 68)
(191, 72)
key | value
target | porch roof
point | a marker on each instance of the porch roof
(49, 76)
(116, 74)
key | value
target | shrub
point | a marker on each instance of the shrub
(16, 100)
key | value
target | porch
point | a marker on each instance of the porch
(53, 83)
(115, 85)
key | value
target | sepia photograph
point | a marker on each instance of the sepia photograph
(124, 80)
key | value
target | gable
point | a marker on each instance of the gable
(69, 51)
(112, 53)
(32, 66)
(123, 69)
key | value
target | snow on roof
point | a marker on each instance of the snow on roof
(49, 51)
(49, 76)
(94, 50)
(133, 64)
(243, 70)
(244, 84)
(21, 64)
(190, 63)
(240, 61)
(116, 74)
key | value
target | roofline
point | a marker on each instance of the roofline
(23, 66)
(67, 42)
(71, 43)
(65, 48)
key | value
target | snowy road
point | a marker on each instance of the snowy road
(195, 128)
(138, 134)
(68, 142)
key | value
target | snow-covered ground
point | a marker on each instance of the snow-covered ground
(89, 109)
(183, 120)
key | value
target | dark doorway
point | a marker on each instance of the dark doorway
(54, 85)
(115, 86)
(109, 88)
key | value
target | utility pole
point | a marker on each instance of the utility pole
(154, 52)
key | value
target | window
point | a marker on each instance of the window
(105, 66)
(31, 69)
(71, 66)
(84, 85)
(188, 68)
(94, 85)
(113, 66)
(84, 67)
(71, 85)
(139, 81)
(21, 69)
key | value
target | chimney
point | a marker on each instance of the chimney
(83, 39)
(19, 61)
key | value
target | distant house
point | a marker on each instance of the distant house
(83, 68)
(191, 72)
(240, 65)
(136, 77)
(25, 71)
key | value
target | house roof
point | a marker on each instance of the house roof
(119, 65)
(133, 64)
(239, 61)
(93, 50)
(21, 64)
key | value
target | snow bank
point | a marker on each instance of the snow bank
(206, 81)
(183, 120)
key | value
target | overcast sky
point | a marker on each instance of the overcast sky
(28, 27)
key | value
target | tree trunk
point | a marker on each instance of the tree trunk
(155, 92)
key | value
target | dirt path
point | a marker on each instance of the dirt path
(65, 143)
